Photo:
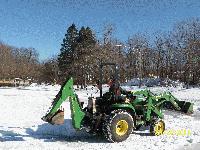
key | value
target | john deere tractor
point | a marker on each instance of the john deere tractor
(116, 113)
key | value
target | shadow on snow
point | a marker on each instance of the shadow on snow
(10, 136)
(52, 133)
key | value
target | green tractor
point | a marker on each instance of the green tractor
(116, 113)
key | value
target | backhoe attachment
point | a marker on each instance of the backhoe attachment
(55, 115)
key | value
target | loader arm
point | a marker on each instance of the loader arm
(166, 100)
(171, 102)
(66, 93)
(168, 97)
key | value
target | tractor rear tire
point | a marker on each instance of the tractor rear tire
(118, 126)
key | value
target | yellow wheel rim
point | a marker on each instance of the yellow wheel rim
(121, 127)
(159, 128)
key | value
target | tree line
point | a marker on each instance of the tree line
(18, 63)
(174, 54)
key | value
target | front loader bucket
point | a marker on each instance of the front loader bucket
(56, 119)
(183, 106)
(186, 107)
(168, 101)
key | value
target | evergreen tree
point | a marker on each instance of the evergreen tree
(66, 56)
(85, 42)
(85, 49)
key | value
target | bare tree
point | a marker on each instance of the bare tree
(49, 71)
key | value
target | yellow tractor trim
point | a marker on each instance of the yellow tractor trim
(121, 127)
(159, 128)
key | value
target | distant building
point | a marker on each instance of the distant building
(15, 82)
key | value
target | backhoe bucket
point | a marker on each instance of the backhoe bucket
(56, 119)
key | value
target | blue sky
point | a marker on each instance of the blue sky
(42, 23)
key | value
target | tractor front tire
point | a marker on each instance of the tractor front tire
(157, 127)
(118, 126)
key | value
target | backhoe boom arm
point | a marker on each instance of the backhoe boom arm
(66, 93)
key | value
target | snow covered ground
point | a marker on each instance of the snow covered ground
(21, 126)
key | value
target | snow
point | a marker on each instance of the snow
(21, 126)
(154, 81)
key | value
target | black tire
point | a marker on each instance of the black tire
(115, 132)
(156, 129)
